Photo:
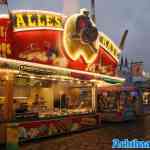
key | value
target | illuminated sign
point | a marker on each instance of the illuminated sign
(2, 33)
(109, 46)
(51, 38)
(25, 20)
(5, 49)
(4, 45)
(75, 48)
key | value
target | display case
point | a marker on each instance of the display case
(47, 98)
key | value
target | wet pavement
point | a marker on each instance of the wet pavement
(98, 139)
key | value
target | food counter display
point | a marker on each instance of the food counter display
(31, 130)
(46, 106)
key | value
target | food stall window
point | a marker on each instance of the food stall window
(38, 98)
(107, 101)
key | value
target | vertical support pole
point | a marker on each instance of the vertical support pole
(139, 107)
(94, 97)
(8, 107)
(12, 138)
(8, 114)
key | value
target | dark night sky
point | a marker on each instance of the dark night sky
(113, 17)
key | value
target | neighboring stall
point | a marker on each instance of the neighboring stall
(118, 103)
(50, 67)
(144, 88)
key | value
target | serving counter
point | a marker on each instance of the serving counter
(19, 132)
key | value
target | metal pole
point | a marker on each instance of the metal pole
(94, 98)
(123, 39)
(93, 11)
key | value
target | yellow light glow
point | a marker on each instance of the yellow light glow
(110, 47)
(36, 11)
(37, 28)
(52, 20)
(4, 16)
(96, 75)
(9, 71)
(74, 48)
(32, 77)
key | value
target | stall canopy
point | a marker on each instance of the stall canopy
(118, 87)
(48, 71)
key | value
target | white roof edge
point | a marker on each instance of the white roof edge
(5, 16)
(37, 11)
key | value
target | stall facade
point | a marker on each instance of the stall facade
(50, 67)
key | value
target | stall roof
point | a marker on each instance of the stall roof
(118, 87)
(32, 68)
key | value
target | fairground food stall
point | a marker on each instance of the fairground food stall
(118, 103)
(50, 66)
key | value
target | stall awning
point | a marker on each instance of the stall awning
(118, 87)
(52, 71)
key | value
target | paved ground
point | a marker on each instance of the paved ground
(99, 139)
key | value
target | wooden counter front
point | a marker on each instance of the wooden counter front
(33, 130)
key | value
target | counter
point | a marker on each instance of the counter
(25, 131)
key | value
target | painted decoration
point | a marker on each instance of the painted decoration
(39, 129)
(5, 33)
(109, 46)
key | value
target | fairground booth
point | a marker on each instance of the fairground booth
(50, 67)
(118, 103)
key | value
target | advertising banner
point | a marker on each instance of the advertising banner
(137, 72)
(137, 69)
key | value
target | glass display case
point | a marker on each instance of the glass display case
(35, 97)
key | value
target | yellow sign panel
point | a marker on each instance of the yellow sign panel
(2, 32)
(5, 47)
(109, 46)
(37, 19)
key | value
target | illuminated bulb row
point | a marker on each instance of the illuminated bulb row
(54, 78)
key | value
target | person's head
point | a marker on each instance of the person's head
(35, 103)
(37, 95)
